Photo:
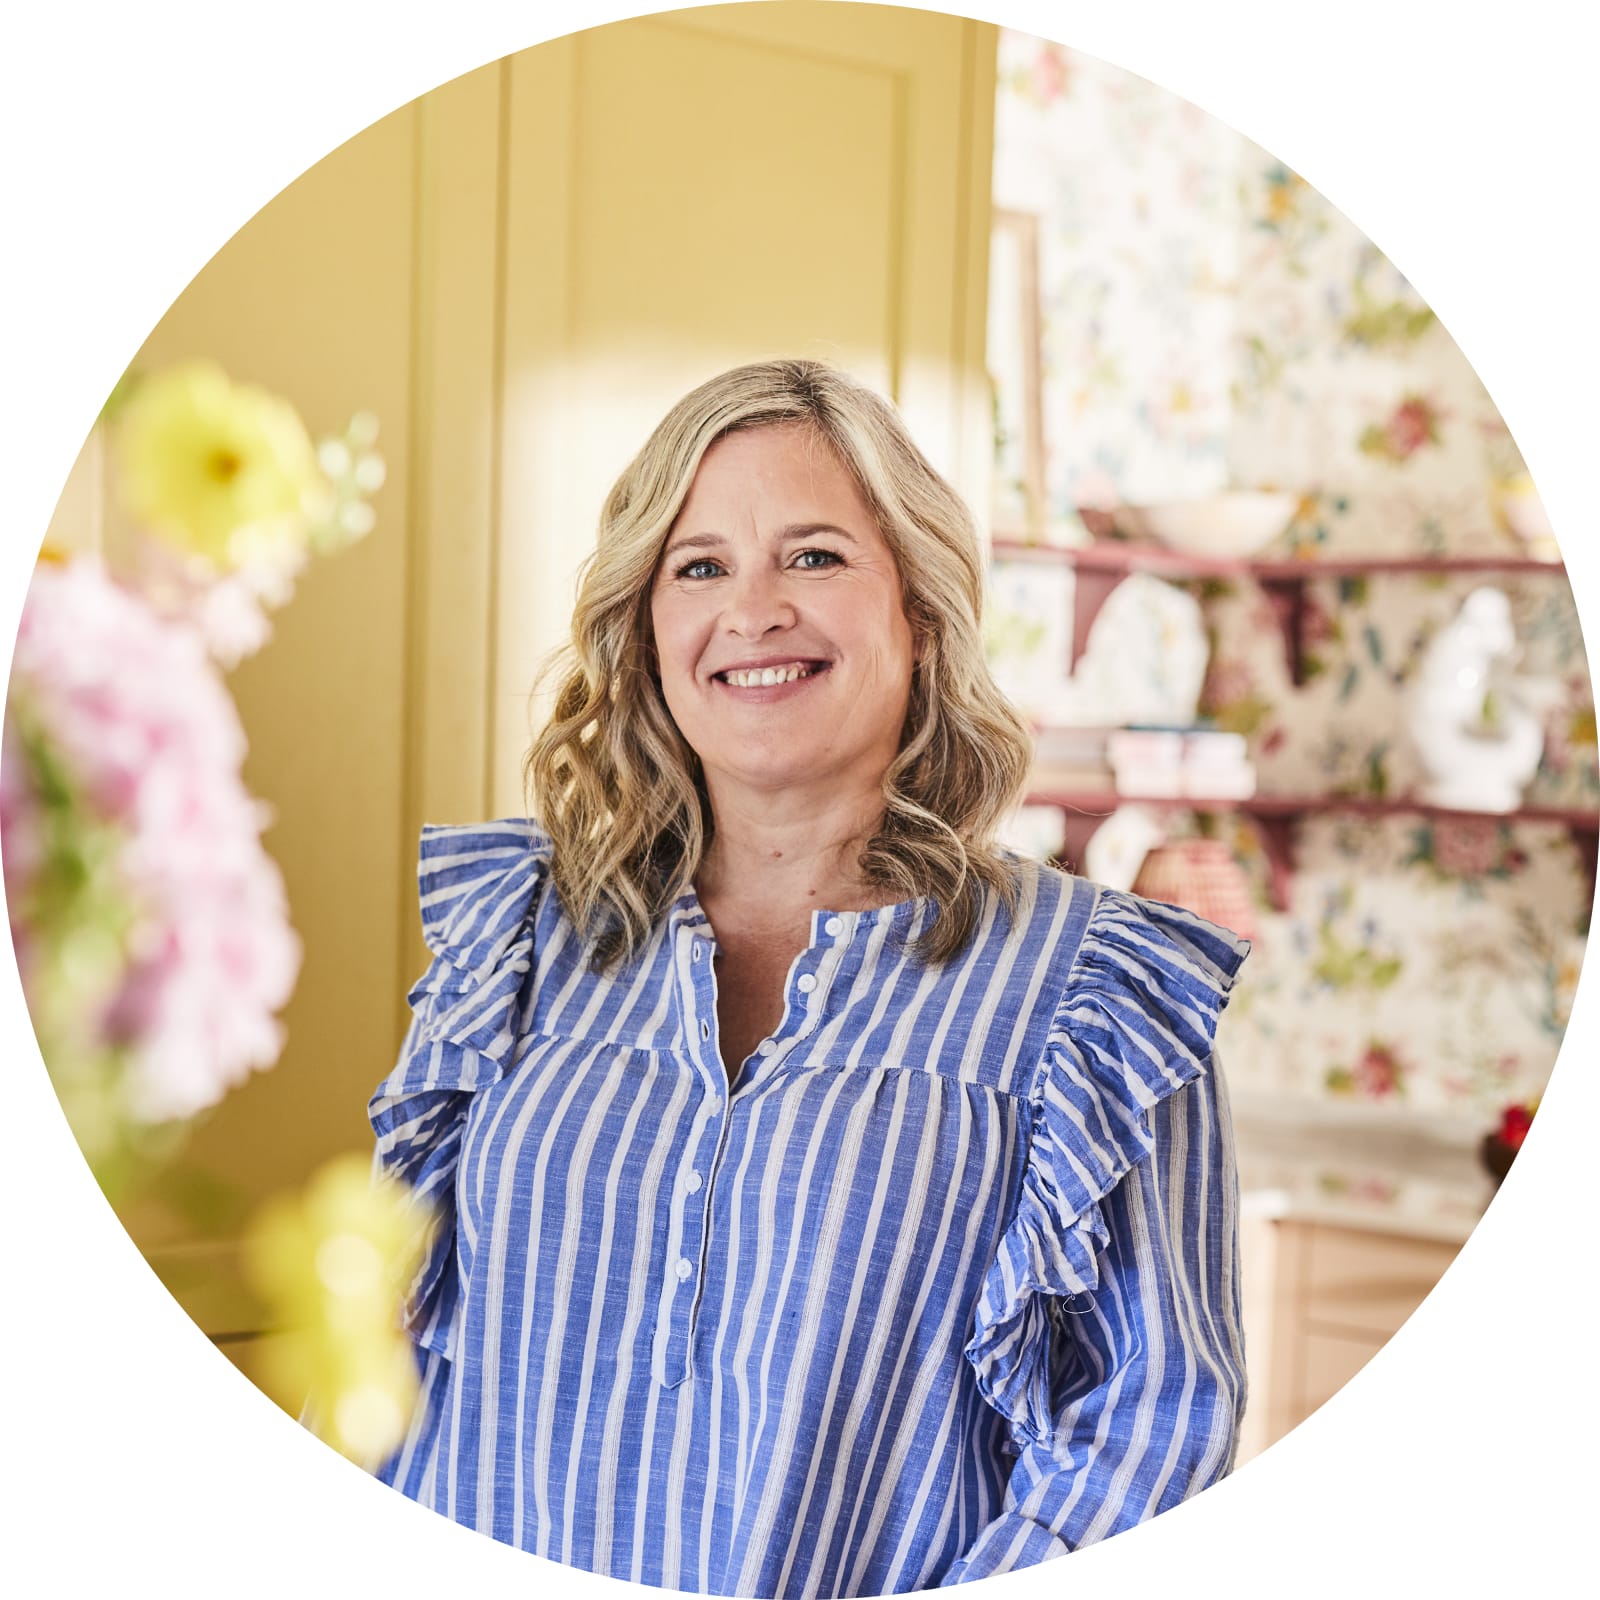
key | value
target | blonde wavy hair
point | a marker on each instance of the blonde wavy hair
(613, 781)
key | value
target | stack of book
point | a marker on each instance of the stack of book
(1187, 763)
(1071, 760)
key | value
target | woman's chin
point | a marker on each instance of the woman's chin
(778, 777)
(788, 774)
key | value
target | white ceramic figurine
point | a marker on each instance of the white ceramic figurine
(1478, 729)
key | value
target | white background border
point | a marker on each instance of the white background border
(1459, 137)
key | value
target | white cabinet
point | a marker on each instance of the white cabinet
(1321, 1300)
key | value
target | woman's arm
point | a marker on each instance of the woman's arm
(1148, 1381)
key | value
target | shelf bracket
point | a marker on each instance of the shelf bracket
(1586, 841)
(1078, 828)
(1091, 587)
(1288, 599)
(1277, 840)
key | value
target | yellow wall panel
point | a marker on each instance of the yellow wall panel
(714, 186)
(766, 215)
(518, 273)
(313, 299)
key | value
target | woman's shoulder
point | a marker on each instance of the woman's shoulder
(1116, 930)
(1168, 946)
(476, 883)
(1140, 982)
(500, 837)
(1139, 1011)
(1036, 891)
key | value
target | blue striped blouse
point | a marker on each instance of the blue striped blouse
(943, 1282)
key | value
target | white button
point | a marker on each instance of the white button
(705, 1030)
(693, 1182)
(698, 949)
(766, 1047)
(833, 927)
(684, 1269)
(807, 983)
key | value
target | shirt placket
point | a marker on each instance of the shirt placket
(805, 996)
(697, 1160)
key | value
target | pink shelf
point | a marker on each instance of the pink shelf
(1103, 565)
(1276, 816)
(1134, 555)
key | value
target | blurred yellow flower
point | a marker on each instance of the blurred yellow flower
(332, 1264)
(216, 468)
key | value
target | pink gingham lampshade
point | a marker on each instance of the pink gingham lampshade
(1201, 876)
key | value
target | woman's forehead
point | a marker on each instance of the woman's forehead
(794, 454)
(773, 478)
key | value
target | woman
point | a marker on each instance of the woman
(832, 1203)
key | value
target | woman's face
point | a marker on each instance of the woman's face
(783, 646)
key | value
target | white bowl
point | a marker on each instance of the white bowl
(1227, 526)
(1523, 512)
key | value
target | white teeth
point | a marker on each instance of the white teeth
(765, 677)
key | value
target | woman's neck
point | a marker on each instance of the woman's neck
(775, 858)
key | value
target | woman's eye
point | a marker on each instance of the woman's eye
(818, 560)
(703, 567)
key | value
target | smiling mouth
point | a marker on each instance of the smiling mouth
(767, 677)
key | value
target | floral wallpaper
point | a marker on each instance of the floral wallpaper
(1210, 321)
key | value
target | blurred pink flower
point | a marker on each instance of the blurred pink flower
(1048, 78)
(138, 715)
(1413, 423)
(1378, 1190)
(1466, 846)
(20, 828)
(1377, 1072)
(1410, 427)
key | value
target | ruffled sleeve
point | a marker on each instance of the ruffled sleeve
(477, 888)
(1137, 1020)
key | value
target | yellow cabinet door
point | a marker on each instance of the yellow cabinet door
(314, 299)
(518, 273)
(689, 191)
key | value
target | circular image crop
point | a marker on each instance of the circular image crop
(799, 852)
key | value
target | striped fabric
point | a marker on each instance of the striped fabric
(944, 1284)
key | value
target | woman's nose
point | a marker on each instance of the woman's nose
(755, 605)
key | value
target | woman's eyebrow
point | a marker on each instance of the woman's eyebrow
(794, 530)
(694, 541)
(806, 530)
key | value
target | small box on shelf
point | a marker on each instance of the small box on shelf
(1199, 763)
